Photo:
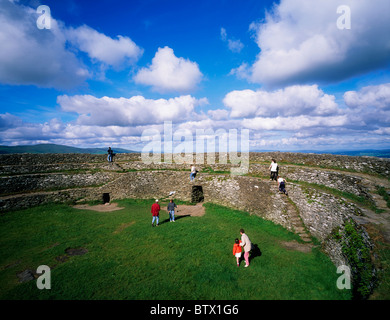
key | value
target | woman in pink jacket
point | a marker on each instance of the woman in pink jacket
(247, 244)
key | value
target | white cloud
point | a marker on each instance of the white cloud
(291, 101)
(219, 114)
(114, 52)
(168, 73)
(136, 110)
(371, 96)
(294, 123)
(233, 45)
(300, 42)
(29, 55)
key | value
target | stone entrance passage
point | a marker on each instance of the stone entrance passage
(106, 198)
(197, 194)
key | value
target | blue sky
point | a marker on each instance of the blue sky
(106, 72)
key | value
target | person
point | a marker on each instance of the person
(274, 169)
(171, 210)
(282, 185)
(237, 251)
(193, 173)
(247, 244)
(110, 154)
(155, 213)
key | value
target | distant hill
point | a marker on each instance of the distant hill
(360, 153)
(55, 148)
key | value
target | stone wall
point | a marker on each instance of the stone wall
(29, 180)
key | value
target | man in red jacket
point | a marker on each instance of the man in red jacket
(155, 213)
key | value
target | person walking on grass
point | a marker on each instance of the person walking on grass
(237, 251)
(274, 170)
(247, 244)
(171, 210)
(155, 213)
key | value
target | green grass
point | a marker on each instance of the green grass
(382, 191)
(189, 259)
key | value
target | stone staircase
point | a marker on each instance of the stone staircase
(292, 212)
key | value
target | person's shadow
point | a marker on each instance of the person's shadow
(255, 252)
(176, 218)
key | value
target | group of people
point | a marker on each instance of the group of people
(245, 244)
(239, 245)
(155, 210)
(274, 168)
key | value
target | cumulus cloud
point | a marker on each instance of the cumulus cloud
(291, 101)
(29, 55)
(113, 52)
(42, 57)
(371, 96)
(136, 110)
(168, 73)
(294, 123)
(301, 42)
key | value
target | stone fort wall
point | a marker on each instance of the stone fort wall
(33, 179)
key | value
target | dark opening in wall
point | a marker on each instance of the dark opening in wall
(197, 194)
(106, 198)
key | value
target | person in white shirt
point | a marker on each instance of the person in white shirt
(282, 185)
(193, 173)
(274, 170)
(247, 244)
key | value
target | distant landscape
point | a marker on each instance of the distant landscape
(55, 148)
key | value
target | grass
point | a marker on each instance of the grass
(382, 191)
(128, 259)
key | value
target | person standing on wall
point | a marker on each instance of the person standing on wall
(110, 154)
(193, 173)
(247, 244)
(155, 213)
(274, 170)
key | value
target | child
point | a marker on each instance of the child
(237, 251)
(282, 185)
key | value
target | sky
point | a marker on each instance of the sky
(296, 74)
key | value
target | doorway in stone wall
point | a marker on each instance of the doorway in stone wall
(197, 194)
(106, 198)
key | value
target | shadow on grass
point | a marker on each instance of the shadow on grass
(176, 218)
(255, 252)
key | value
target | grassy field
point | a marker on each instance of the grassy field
(128, 259)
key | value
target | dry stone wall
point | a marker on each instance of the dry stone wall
(29, 180)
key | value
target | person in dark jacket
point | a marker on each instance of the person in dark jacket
(110, 154)
(171, 210)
